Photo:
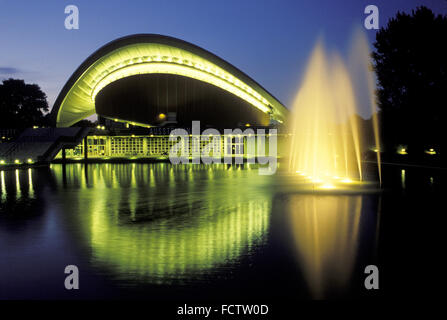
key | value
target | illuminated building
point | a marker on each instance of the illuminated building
(152, 81)
(148, 81)
(157, 146)
(155, 80)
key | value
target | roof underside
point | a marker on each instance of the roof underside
(112, 62)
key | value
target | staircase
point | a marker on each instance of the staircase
(40, 145)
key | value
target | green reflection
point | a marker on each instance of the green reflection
(4, 193)
(18, 190)
(30, 183)
(161, 223)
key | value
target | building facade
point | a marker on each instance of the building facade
(159, 146)
(159, 81)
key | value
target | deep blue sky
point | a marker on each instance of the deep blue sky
(269, 40)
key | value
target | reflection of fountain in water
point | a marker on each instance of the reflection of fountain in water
(326, 233)
(326, 145)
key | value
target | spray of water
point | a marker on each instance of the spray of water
(327, 138)
(363, 72)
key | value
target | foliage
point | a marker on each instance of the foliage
(22, 105)
(411, 66)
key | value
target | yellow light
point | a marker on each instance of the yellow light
(16, 161)
(161, 116)
(2, 161)
(346, 180)
(327, 186)
(146, 58)
(402, 150)
(30, 160)
(247, 124)
(186, 71)
(402, 177)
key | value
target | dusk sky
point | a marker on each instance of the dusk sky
(269, 40)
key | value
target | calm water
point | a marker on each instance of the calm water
(158, 231)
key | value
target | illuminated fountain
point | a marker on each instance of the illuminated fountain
(328, 145)
(327, 137)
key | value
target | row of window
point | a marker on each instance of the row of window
(125, 146)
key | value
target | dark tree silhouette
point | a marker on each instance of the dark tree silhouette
(21, 105)
(411, 66)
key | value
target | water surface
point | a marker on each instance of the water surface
(158, 231)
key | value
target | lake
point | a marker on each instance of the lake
(195, 232)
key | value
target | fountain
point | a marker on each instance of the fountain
(327, 181)
(327, 143)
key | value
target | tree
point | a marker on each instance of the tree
(411, 66)
(21, 105)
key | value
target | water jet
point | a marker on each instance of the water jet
(328, 139)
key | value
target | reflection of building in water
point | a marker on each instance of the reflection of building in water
(4, 192)
(165, 250)
(326, 232)
(161, 223)
(19, 183)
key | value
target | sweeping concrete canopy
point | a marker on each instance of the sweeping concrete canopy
(154, 54)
